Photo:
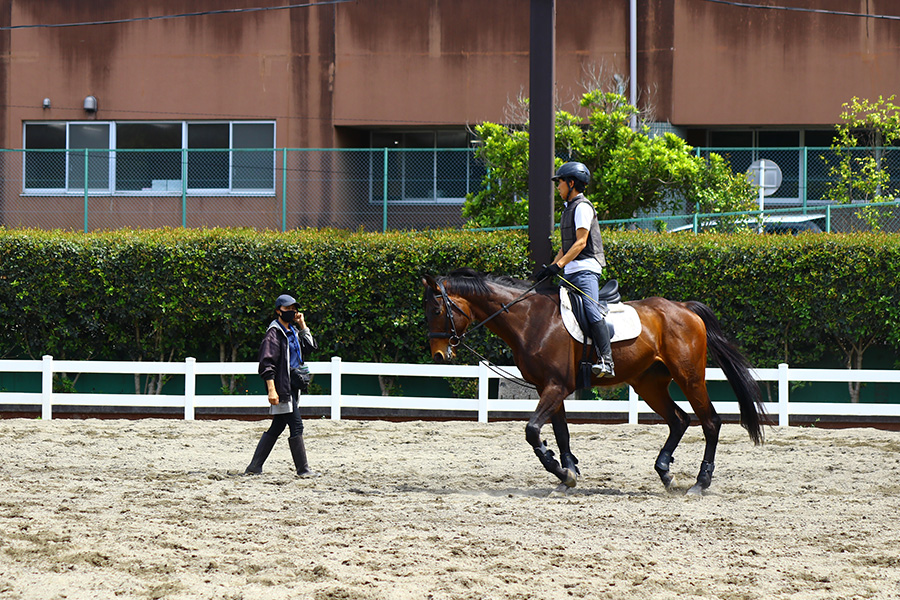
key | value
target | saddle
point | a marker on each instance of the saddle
(622, 320)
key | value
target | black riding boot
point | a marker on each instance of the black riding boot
(600, 335)
(298, 452)
(263, 448)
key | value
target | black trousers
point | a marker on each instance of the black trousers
(291, 420)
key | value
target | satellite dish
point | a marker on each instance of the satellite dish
(766, 175)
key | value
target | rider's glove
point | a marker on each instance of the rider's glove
(546, 272)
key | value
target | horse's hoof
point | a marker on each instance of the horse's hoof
(560, 492)
(571, 479)
(696, 490)
(668, 480)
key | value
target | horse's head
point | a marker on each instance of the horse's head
(447, 318)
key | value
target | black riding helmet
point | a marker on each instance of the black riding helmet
(576, 171)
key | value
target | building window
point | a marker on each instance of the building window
(45, 166)
(150, 157)
(252, 169)
(59, 154)
(424, 166)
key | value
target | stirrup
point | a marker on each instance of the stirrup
(603, 369)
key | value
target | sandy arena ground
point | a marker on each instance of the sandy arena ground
(440, 510)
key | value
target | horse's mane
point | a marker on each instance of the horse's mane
(467, 281)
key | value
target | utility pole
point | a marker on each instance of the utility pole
(542, 130)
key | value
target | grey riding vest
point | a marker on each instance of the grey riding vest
(594, 246)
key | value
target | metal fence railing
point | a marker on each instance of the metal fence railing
(279, 189)
(806, 171)
(376, 189)
(805, 181)
(829, 218)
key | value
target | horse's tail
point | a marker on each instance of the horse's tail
(737, 370)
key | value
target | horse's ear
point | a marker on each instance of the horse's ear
(429, 282)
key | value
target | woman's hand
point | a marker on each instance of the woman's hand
(270, 389)
(300, 321)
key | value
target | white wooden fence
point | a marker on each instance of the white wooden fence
(483, 405)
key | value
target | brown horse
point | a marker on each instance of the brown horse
(672, 345)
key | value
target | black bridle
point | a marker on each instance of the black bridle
(449, 305)
(455, 337)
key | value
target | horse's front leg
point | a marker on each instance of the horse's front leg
(561, 432)
(549, 405)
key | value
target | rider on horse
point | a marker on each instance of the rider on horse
(581, 257)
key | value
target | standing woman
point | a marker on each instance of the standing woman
(281, 355)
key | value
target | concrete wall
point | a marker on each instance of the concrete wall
(257, 65)
(438, 62)
(393, 63)
(329, 74)
(741, 66)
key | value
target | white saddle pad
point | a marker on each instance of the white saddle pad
(624, 319)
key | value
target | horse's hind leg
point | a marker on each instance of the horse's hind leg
(711, 422)
(655, 392)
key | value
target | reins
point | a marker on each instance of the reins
(503, 308)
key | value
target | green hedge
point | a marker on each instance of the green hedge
(787, 299)
(167, 294)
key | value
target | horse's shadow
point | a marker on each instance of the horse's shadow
(537, 492)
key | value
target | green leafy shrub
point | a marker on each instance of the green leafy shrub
(167, 294)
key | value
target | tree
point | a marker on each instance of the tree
(863, 145)
(632, 170)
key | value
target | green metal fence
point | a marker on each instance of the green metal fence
(802, 195)
(375, 189)
(831, 218)
(799, 204)
(805, 171)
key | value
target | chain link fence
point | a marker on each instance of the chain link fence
(377, 189)
(802, 196)
(278, 189)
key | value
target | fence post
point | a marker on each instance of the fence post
(483, 380)
(184, 176)
(783, 390)
(632, 406)
(47, 387)
(86, 190)
(335, 388)
(284, 190)
(384, 192)
(190, 387)
(804, 174)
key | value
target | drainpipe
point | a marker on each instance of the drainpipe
(632, 56)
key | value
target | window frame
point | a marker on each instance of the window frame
(405, 180)
(113, 151)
